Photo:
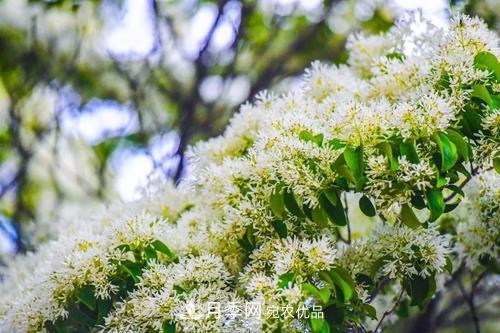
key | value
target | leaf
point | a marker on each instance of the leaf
(343, 285)
(331, 195)
(323, 294)
(419, 288)
(407, 148)
(369, 310)
(285, 279)
(460, 143)
(305, 135)
(150, 252)
(161, 247)
(309, 137)
(449, 265)
(336, 212)
(480, 91)
(386, 148)
(366, 206)
(456, 190)
(354, 160)
(435, 203)
(247, 241)
(123, 247)
(291, 203)
(336, 144)
(440, 181)
(277, 204)
(488, 61)
(86, 296)
(134, 269)
(447, 149)
(103, 308)
(319, 325)
(496, 164)
(169, 327)
(418, 202)
(280, 228)
(344, 171)
(408, 217)
(319, 216)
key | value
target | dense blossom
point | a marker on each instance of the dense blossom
(262, 215)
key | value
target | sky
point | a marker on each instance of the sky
(132, 35)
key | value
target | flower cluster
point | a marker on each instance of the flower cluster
(265, 216)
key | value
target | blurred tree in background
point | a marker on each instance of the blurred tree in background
(206, 57)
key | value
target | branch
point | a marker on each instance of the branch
(386, 313)
(469, 299)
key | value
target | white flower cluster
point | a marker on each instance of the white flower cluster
(478, 216)
(248, 222)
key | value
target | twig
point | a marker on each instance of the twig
(469, 299)
(386, 313)
(346, 211)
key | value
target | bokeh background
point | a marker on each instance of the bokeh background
(98, 98)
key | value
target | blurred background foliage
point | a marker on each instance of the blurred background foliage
(98, 96)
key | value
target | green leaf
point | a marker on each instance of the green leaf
(344, 171)
(169, 327)
(480, 91)
(418, 202)
(336, 212)
(319, 325)
(103, 308)
(277, 204)
(319, 217)
(285, 280)
(280, 228)
(440, 181)
(323, 294)
(366, 206)
(449, 265)
(386, 148)
(318, 139)
(336, 144)
(331, 195)
(247, 242)
(407, 148)
(161, 247)
(123, 247)
(369, 310)
(309, 137)
(305, 135)
(456, 190)
(134, 269)
(343, 285)
(460, 143)
(408, 217)
(395, 55)
(488, 61)
(421, 289)
(496, 164)
(291, 203)
(354, 160)
(150, 252)
(435, 203)
(86, 296)
(447, 149)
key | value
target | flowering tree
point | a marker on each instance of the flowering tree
(362, 198)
